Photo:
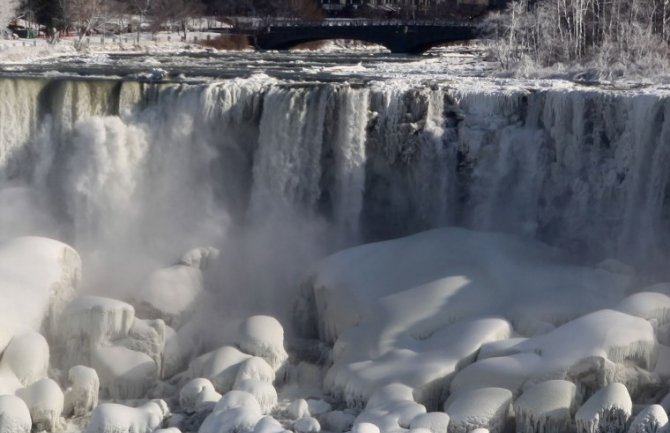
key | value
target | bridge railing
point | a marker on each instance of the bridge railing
(345, 23)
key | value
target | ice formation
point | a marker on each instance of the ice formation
(651, 419)
(307, 425)
(237, 411)
(390, 408)
(609, 410)
(196, 394)
(81, 397)
(338, 421)
(263, 336)
(27, 356)
(123, 373)
(435, 422)
(116, 418)
(547, 407)
(219, 366)
(14, 415)
(45, 402)
(264, 392)
(479, 408)
(255, 368)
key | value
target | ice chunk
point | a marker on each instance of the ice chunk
(479, 408)
(263, 392)
(607, 410)
(255, 368)
(27, 356)
(307, 425)
(82, 395)
(14, 415)
(546, 407)
(124, 373)
(298, 409)
(337, 421)
(197, 393)
(435, 422)
(116, 418)
(45, 400)
(651, 419)
(220, 366)
(391, 407)
(89, 322)
(263, 336)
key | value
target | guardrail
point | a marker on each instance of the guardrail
(344, 23)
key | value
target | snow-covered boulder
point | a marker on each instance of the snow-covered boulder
(219, 366)
(255, 368)
(268, 424)
(199, 258)
(546, 407)
(298, 409)
(651, 419)
(89, 322)
(81, 397)
(390, 408)
(652, 306)
(263, 336)
(435, 422)
(307, 425)
(263, 392)
(14, 415)
(116, 418)
(197, 393)
(27, 356)
(168, 430)
(318, 407)
(608, 410)
(180, 347)
(237, 419)
(123, 373)
(365, 427)
(234, 399)
(45, 401)
(337, 421)
(480, 408)
(148, 337)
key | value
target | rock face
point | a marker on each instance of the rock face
(608, 410)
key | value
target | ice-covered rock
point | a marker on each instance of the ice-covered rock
(14, 415)
(180, 347)
(148, 337)
(365, 427)
(435, 422)
(479, 408)
(665, 403)
(255, 368)
(651, 419)
(219, 366)
(123, 373)
(116, 418)
(298, 409)
(390, 408)
(27, 356)
(652, 306)
(45, 401)
(167, 430)
(38, 276)
(89, 322)
(9, 383)
(196, 393)
(268, 424)
(237, 419)
(81, 397)
(318, 407)
(263, 392)
(546, 407)
(337, 421)
(307, 425)
(199, 258)
(263, 336)
(608, 410)
(234, 399)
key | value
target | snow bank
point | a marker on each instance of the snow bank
(197, 393)
(607, 410)
(116, 418)
(263, 336)
(81, 397)
(14, 415)
(546, 407)
(45, 402)
(480, 408)
(651, 419)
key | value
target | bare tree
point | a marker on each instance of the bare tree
(7, 13)
(175, 11)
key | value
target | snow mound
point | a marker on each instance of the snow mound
(480, 408)
(255, 368)
(546, 407)
(337, 421)
(607, 410)
(45, 402)
(116, 418)
(82, 395)
(390, 408)
(263, 392)
(219, 366)
(124, 373)
(263, 336)
(14, 415)
(651, 419)
(197, 393)
(298, 409)
(435, 422)
(27, 356)
(307, 425)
